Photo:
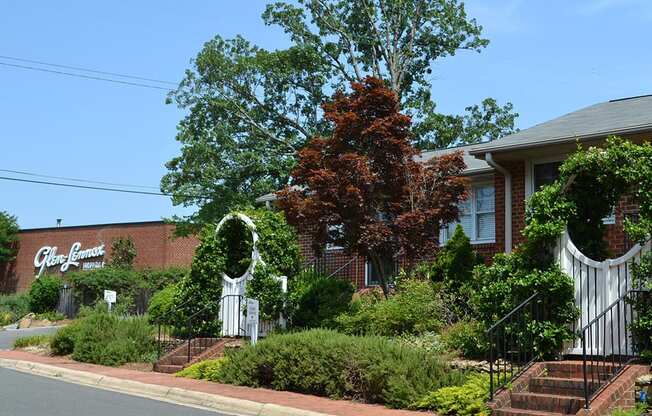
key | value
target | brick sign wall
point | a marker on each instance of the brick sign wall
(155, 248)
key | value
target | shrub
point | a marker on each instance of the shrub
(89, 285)
(415, 308)
(468, 399)
(641, 325)
(466, 337)
(316, 300)
(33, 340)
(63, 341)
(103, 338)
(267, 289)
(51, 316)
(106, 339)
(428, 341)
(13, 307)
(326, 363)
(44, 294)
(204, 370)
(161, 305)
(453, 268)
(509, 281)
(123, 252)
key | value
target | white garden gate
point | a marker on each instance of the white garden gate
(233, 302)
(598, 287)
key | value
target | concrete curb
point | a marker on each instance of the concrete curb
(176, 395)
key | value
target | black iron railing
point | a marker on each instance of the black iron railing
(608, 344)
(511, 343)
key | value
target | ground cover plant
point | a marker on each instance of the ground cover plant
(468, 399)
(326, 363)
(13, 307)
(33, 340)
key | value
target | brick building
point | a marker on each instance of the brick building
(64, 249)
(505, 172)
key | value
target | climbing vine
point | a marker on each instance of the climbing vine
(229, 251)
(591, 183)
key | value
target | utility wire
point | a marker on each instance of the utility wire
(96, 188)
(21, 172)
(71, 74)
(77, 68)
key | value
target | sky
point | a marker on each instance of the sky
(546, 57)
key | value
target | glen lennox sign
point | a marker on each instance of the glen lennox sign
(47, 257)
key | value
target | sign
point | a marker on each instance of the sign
(48, 256)
(252, 311)
(110, 297)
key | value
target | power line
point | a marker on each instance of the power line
(95, 71)
(20, 172)
(95, 188)
(71, 74)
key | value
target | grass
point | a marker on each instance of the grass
(32, 340)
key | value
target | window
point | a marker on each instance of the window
(334, 232)
(372, 276)
(545, 174)
(477, 216)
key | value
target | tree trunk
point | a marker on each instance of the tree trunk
(378, 264)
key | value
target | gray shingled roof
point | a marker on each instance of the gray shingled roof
(473, 166)
(623, 116)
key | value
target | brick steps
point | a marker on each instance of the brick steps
(200, 350)
(558, 389)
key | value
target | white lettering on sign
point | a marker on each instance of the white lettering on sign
(47, 256)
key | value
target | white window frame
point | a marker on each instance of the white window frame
(529, 181)
(443, 234)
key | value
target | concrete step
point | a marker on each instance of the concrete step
(546, 402)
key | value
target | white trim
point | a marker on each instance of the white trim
(508, 200)
(443, 234)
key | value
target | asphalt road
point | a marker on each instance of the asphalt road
(28, 395)
(8, 336)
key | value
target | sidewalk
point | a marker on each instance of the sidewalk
(279, 398)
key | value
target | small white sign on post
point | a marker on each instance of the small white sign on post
(253, 315)
(110, 297)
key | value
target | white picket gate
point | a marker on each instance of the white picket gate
(233, 302)
(598, 284)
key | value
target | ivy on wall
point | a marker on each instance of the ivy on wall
(591, 183)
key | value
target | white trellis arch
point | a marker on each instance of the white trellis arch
(233, 288)
(598, 284)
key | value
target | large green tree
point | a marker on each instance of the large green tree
(250, 110)
(8, 237)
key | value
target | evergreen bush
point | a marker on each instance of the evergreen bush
(316, 300)
(326, 363)
(44, 294)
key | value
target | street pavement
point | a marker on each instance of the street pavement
(29, 395)
(8, 336)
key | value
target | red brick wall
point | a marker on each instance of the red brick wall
(517, 169)
(155, 248)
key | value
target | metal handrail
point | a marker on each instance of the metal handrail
(516, 353)
(617, 337)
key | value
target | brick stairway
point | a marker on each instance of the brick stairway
(552, 388)
(200, 349)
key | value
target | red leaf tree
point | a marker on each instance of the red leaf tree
(364, 188)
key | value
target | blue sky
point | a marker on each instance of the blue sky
(546, 57)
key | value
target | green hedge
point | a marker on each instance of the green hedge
(327, 363)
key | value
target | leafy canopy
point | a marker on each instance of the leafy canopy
(250, 110)
(366, 181)
(8, 237)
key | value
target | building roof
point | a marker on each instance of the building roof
(621, 116)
